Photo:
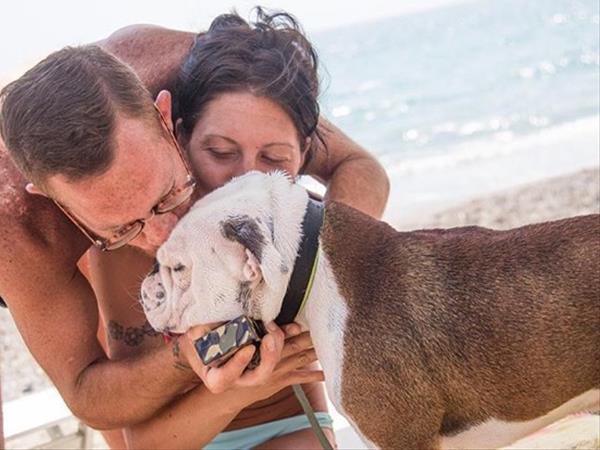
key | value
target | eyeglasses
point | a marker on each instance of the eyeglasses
(176, 197)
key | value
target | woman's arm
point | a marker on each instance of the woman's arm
(195, 418)
(352, 175)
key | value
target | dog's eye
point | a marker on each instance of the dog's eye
(178, 267)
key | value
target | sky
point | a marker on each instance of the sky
(30, 29)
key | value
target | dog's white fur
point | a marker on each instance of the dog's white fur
(203, 270)
(206, 289)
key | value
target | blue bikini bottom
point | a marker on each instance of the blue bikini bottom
(247, 438)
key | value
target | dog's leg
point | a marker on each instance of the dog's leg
(397, 427)
(411, 439)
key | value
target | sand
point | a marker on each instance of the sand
(550, 199)
(574, 194)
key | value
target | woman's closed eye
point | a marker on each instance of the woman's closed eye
(221, 153)
(275, 159)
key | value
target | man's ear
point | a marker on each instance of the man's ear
(33, 189)
(179, 134)
(164, 104)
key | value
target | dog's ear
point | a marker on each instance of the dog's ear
(263, 261)
(251, 271)
(247, 231)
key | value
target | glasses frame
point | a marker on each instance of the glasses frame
(108, 244)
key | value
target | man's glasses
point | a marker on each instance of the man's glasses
(176, 197)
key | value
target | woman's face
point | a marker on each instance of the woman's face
(239, 132)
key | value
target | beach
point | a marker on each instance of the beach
(553, 198)
(550, 199)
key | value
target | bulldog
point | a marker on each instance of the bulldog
(458, 338)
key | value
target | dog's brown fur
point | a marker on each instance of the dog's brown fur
(448, 328)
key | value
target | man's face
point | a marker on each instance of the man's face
(146, 167)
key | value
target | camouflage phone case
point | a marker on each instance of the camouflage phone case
(221, 343)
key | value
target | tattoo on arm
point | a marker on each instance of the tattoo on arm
(132, 336)
(178, 364)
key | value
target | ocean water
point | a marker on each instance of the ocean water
(467, 99)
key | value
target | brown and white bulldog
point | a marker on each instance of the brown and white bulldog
(459, 338)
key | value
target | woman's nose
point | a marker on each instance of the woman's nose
(244, 166)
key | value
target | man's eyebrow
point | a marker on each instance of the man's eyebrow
(109, 228)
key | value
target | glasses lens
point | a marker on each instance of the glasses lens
(177, 197)
(123, 236)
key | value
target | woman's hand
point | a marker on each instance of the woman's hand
(239, 389)
(280, 365)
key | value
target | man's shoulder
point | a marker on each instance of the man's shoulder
(154, 53)
(30, 224)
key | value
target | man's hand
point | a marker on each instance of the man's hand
(280, 360)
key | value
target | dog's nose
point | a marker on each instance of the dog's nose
(155, 268)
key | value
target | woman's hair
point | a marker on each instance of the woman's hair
(269, 57)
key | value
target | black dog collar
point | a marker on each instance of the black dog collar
(303, 267)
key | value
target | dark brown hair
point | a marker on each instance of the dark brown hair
(58, 118)
(269, 57)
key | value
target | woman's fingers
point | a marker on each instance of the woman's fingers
(270, 354)
(307, 376)
(277, 353)
(304, 376)
(220, 379)
(296, 344)
(296, 361)
(291, 329)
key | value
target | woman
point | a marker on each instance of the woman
(245, 99)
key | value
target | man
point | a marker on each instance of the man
(84, 133)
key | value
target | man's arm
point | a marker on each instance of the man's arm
(56, 312)
(351, 174)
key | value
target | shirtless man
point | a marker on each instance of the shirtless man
(54, 294)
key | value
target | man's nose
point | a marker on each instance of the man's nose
(159, 228)
(184, 207)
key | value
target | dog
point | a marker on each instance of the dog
(458, 338)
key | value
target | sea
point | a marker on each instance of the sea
(468, 99)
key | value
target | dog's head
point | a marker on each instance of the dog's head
(232, 254)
